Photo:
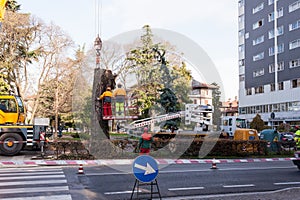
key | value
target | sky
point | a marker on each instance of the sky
(212, 24)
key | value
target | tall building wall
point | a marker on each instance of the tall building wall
(258, 92)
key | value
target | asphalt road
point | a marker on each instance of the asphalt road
(189, 180)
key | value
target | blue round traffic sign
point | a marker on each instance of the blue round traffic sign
(145, 168)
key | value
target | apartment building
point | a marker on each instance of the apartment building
(269, 60)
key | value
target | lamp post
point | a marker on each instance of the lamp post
(98, 47)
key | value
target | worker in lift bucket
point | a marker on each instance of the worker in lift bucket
(106, 98)
(119, 95)
(145, 142)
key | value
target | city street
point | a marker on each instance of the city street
(194, 179)
(116, 181)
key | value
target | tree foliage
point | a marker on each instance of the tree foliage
(151, 67)
(216, 96)
(257, 123)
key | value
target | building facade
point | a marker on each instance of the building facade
(201, 93)
(269, 60)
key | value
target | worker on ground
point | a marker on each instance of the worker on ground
(119, 95)
(106, 102)
(297, 137)
(145, 142)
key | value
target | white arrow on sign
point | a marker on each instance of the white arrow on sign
(148, 169)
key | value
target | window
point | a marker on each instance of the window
(258, 73)
(280, 31)
(258, 24)
(280, 67)
(258, 40)
(241, 62)
(259, 56)
(258, 8)
(259, 89)
(295, 44)
(249, 91)
(280, 49)
(271, 16)
(294, 6)
(241, 3)
(271, 2)
(242, 78)
(242, 33)
(294, 63)
(296, 83)
(272, 87)
(280, 86)
(242, 48)
(294, 25)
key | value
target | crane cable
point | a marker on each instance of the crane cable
(98, 17)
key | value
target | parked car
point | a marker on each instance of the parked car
(296, 160)
(286, 137)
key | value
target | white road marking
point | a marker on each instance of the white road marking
(31, 177)
(238, 186)
(32, 182)
(186, 188)
(31, 173)
(31, 190)
(56, 197)
(287, 183)
(121, 192)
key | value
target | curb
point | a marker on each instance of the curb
(130, 161)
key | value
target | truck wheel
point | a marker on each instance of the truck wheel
(11, 144)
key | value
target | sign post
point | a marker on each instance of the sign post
(145, 170)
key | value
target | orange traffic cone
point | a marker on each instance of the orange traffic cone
(80, 170)
(214, 164)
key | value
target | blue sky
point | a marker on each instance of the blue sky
(212, 24)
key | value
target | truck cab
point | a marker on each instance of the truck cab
(12, 110)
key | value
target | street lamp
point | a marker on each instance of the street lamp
(98, 46)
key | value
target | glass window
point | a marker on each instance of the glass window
(280, 67)
(249, 91)
(280, 31)
(294, 44)
(280, 49)
(271, 2)
(294, 63)
(258, 8)
(280, 86)
(272, 87)
(296, 83)
(294, 25)
(271, 16)
(258, 73)
(259, 89)
(258, 24)
(259, 56)
(258, 40)
(294, 6)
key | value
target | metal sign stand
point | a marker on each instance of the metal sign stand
(137, 186)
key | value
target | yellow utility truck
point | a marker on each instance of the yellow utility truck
(14, 133)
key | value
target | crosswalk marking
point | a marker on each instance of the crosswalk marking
(56, 197)
(33, 182)
(40, 183)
